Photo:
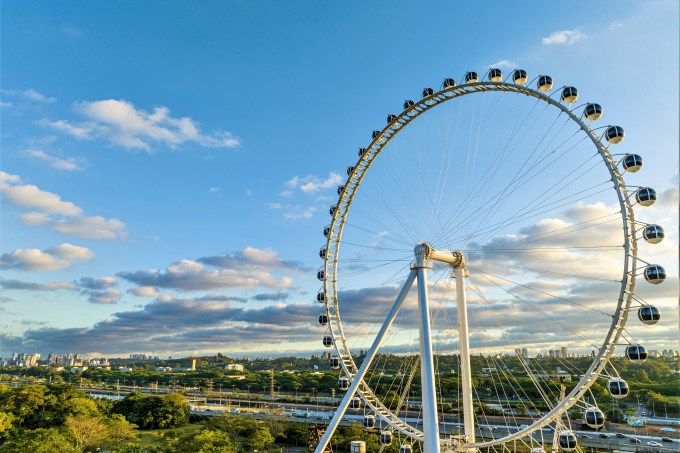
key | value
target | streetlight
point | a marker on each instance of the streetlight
(317, 400)
(296, 388)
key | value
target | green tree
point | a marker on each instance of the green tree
(206, 441)
(87, 432)
(259, 438)
(6, 425)
(120, 432)
(153, 412)
(39, 440)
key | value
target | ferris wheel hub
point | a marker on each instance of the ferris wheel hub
(425, 252)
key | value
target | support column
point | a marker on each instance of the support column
(370, 355)
(428, 389)
(465, 369)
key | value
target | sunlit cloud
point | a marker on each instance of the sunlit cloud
(564, 37)
(50, 210)
(122, 124)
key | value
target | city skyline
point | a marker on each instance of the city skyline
(167, 170)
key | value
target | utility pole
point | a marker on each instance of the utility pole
(272, 393)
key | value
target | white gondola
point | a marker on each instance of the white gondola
(544, 83)
(334, 208)
(632, 163)
(350, 170)
(569, 95)
(408, 104)
(321, 274)
(323, 319)
(322, 252)
(495, 75)
(592, 111)
(646, 196)
(343, 383)
(328, 341)
(341, 189)
(391, 118)
(405, 448)
(334, 363)
(369, 421)
(615, 134)
(321, 296)
(567, 440)
(448, 83)
(361, 151)
(326, 230)
(386, 438)
(653, 234)
(594, 417)
(427, 92)
(636, 353)
(617, 388)
(520, 76)
(355, 403)
(376, 134)
(649, 314)
(655, 274)
(471, 77)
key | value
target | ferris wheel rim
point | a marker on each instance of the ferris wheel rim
(334, 241)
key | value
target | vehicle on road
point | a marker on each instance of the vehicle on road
(604, 436)
(667, 439)
(653, 443)
(621, 435)
(635, 440)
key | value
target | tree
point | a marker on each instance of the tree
(206, 441)
(87, 432)
(153, 412)
(119, 432)
(6, 425)
(259, 438)
(25, 401)
(39, 440)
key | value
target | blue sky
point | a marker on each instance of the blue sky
(168, 166)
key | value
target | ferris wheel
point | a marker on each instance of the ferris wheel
(486, 220)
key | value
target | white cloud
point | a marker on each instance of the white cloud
(97, 283)
(70, 31)
(566, 37)
(63, 216)
(144, 291)
(30, 94)
(81, 132)
(29, 286)
(31, 260)
(71, 252)
(105, 297)
(6, 105)
(68, 164)
(503, 64)
(121, 123)
(293, 212)
(95, 227)
(311, 184)
(55, 258)
(30, 196)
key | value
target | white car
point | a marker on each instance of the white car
(653, 443)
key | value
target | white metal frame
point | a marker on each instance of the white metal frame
(333, 243)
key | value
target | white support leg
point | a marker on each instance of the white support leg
(428, 391)
(465, 370)
(370, 355)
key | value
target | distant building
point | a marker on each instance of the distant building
(164, 368)
(565, 352)
(234, 367)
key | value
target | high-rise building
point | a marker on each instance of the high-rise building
(565, 352)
